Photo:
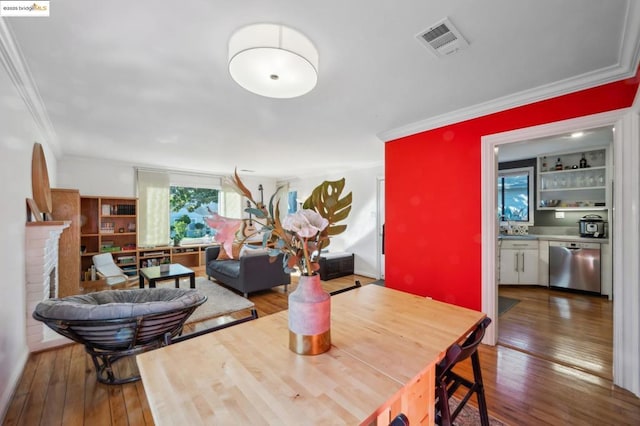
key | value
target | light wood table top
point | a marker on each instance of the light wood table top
(382, 339)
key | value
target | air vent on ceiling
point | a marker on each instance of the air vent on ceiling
(443, 38)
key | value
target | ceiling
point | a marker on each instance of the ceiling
(146, 82)
(570, 142)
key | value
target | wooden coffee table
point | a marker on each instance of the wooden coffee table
(176, 271)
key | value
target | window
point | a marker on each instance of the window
(188, 209)
(292, 202)
(515, 195)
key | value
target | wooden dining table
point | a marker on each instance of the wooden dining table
(385, 344)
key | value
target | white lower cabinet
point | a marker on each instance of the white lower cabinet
(543, 263)
(518, 262)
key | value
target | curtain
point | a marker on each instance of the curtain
(230, 202)
(153, 205)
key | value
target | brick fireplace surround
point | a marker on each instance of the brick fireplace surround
(42, 279)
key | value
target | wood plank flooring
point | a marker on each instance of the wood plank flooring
(571, 329)
(524, 384)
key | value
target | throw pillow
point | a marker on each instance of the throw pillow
(235, 252)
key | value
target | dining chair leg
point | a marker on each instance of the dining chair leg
(482, 402)
(443, 405)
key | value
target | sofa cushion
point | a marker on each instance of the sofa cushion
(230, 268)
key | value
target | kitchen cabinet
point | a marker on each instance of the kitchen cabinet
(579, 181)
(518, 262)
(543, 262)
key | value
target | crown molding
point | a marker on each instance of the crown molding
(556, 89)
(19, 74)
(629, 54)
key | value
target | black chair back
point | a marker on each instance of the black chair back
(457, 353)
(400, 420)
(447, 382)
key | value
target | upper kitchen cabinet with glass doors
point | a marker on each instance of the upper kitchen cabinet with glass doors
(573, 180)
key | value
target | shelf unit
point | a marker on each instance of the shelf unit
(154, 256)
(189, 256)
(572, 187)
(109, 225)
(66, 207)
(186, 256)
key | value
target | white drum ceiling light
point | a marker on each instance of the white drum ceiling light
(273, 61)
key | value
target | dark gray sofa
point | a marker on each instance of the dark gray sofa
(254, 271)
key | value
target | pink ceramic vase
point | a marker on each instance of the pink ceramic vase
(309, 317)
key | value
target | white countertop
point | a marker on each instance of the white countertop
(554, 238)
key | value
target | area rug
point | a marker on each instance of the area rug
(469, 416)
(220, 301)
(506, 303)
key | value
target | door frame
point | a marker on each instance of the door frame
(626, 230)
(379, 224)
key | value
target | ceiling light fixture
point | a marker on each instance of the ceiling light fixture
(577, 135)
(273, 61)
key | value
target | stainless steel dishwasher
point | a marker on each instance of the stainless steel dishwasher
(575, 265)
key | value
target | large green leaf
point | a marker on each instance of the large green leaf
(325, 199)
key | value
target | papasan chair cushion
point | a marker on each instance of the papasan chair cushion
(117, 304)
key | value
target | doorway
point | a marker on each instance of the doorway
(540, 320)
(625, 270)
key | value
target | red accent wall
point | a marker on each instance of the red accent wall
(433, 193)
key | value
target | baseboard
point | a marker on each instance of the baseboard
(365, 274)
(8, 392)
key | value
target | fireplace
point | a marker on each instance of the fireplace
(42, 279)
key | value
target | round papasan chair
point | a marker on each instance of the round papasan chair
(113, 324)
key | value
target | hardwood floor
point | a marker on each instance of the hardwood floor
(525, 383)
(571, 329)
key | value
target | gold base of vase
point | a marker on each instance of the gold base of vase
(310, 345)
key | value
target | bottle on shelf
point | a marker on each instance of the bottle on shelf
(583, 162)
(544, 164)
(559, 164)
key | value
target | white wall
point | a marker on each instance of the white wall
(360, 236)
(97, 177)
(118, 179)
(17, 137)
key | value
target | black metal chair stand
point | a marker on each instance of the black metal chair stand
(169, 339)
(447, 382)
(342, 290)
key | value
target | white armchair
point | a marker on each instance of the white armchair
(109, 271)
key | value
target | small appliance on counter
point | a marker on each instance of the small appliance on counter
(593, 226)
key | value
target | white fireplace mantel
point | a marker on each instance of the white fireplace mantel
(41, 247)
